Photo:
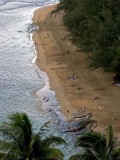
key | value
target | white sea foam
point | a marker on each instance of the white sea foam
(19, 77)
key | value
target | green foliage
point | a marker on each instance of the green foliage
(97, 146)
(20, 143)
(95, 28)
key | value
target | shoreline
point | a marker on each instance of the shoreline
(41, 62)
(90, 90)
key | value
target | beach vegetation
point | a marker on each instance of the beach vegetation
(95, 28)
(97, 146)
(19, 142)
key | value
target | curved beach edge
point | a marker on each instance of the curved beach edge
(77, 87)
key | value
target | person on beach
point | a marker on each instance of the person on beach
(116, 78)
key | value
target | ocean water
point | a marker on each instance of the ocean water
(20, 79)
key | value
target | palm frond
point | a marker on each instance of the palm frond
(109, 138)
(94, 142)
(22, 127)
(116, 153)
(19, 142)
(98, 146)
(90, 139)
(51, 153)
(91, 154)
(21, 120)
(2, 154)
(77, 157)
(87, 155)
(6, 130)
(109, 142)
(35, 145)
(5, 146)
(52, 140)
(8, 155)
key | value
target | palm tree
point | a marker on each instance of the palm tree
(97, 146)
(18, 141)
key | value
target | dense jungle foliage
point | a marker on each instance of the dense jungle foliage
(95, 28)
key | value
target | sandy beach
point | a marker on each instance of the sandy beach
(77, 87)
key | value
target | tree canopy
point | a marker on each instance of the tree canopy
(95, 28)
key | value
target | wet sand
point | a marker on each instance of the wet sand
(76, 86)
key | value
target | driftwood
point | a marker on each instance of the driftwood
(82, 125)
(75, 129)
(88, 115)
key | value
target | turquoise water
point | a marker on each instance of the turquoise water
(20, 79)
